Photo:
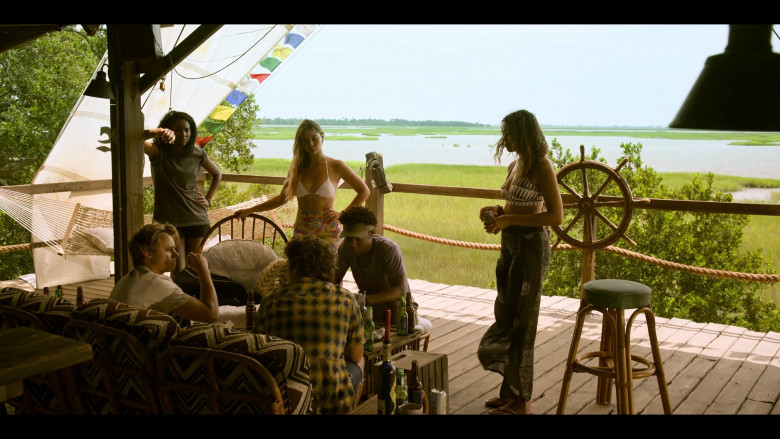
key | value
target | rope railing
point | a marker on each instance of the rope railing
(751, 277)
(765, 278)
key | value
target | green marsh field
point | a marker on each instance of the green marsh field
(457, 219)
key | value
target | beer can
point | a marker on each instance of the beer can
(438, 402)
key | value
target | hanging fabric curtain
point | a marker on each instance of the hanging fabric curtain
(218, 69)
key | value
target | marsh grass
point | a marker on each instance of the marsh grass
(453, 218)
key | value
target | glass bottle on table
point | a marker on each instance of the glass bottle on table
(386, 382)
(251, 311)
(401, 394)
(46, 291)
(368, 329)
(403, 317)
(415, 385)
(79, 296)
(58, 291)
(411, 312)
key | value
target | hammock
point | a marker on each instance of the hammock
(75, 229)
(60, 225)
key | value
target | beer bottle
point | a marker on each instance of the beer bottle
(415, 385)
(412, 313)
(401, 395)
(251, 311)
(368, 329)
(403, 318)
(79, 296)
(46, 291)
(386, 382)
(58, 291)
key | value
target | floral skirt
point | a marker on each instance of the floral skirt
(312, 222)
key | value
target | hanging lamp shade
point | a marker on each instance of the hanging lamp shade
(99, 87)
(738, 90)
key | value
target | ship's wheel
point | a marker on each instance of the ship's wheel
(594, 219)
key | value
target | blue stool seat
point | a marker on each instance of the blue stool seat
(611, 297)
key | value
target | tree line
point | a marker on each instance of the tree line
(375, 122)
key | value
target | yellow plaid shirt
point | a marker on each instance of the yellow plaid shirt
(322, 318)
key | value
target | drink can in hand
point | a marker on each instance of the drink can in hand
(487, 215)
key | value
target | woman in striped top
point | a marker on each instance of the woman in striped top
(532, 202)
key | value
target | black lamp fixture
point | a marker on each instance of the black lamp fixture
(738, 90)
(99, 87)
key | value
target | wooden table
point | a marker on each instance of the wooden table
(398, 343)
(367, 407)
(26, 352)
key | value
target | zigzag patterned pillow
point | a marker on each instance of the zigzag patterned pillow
(272, 277)
(54, 312)
(284, 359)
(153, 328)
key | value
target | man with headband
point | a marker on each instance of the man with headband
(376, 262)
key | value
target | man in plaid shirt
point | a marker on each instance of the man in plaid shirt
(323, 318)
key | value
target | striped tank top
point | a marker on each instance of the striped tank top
(521, 193)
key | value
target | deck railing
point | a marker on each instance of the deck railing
(375, 203)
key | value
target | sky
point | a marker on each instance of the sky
(588, 75)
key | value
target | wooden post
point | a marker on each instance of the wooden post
(127, 160)
(376, 204)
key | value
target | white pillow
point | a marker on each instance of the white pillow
(102, 238)
(240, 260)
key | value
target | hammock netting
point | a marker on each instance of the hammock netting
(63, 226)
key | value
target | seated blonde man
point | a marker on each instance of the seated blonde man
(153, 250)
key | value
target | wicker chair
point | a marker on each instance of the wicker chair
(254, 226)
(202, 381)
(185, 377)
(125, 341)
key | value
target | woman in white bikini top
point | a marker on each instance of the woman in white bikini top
(311, 168)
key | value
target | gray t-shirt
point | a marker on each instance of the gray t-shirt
(372, 273)
(175, 188)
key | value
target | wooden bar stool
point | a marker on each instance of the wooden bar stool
(611, 297)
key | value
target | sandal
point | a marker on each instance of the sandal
(496, 402)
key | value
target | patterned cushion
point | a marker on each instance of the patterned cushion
(271, 278)
(153, 328)
(284, 359)
(54, 312)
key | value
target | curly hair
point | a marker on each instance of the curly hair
(310, 256)
(522, 135)
(148, 238)
(301, 159)
(357, 215)
(171, 116)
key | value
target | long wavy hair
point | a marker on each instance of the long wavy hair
(301, 159)
(172, 116)
(522, 135)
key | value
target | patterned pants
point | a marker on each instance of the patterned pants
(311, 222)
(508, 345)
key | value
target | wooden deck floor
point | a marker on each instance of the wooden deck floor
(710, 368)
